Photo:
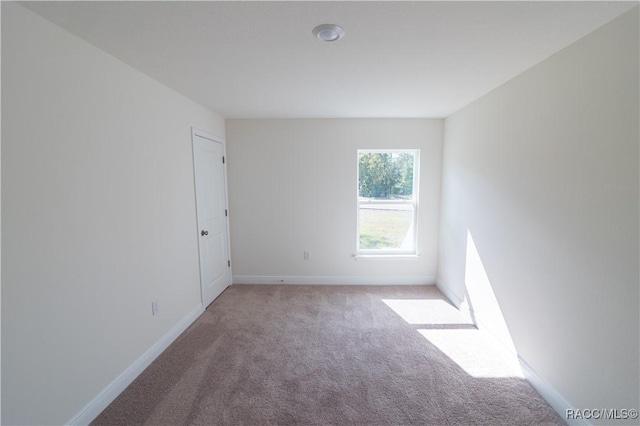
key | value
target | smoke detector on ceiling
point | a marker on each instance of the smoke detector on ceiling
(328, 32)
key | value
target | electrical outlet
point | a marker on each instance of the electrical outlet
(307, 256)
(154, 308)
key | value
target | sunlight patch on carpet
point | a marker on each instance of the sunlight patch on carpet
(475, 352)
(427, 311)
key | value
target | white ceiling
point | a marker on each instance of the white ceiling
(398, 59)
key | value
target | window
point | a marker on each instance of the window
(387, 201)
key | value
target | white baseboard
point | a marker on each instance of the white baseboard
(90, 411)
(550, 394)
(319, 280)
(453, 298)
(459, 303)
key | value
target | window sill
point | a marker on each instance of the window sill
(386, 256)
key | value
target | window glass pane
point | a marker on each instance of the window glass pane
(385, 175)
(386, 227)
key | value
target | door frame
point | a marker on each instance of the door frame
(215, 138)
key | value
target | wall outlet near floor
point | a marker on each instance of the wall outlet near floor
(154, 308)
(307, 256)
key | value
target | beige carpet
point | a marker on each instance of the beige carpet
(321, 355)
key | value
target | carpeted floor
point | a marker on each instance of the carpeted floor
(330, 355)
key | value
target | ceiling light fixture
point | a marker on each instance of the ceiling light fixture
(328, 32)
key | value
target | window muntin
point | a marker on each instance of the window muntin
(387, 201)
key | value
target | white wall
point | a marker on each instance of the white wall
(98, 217)
(543, 174)
(292, 187)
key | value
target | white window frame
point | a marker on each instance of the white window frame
(414, 202)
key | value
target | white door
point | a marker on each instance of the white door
(211, 205)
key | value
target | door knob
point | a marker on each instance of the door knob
(203, 233)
